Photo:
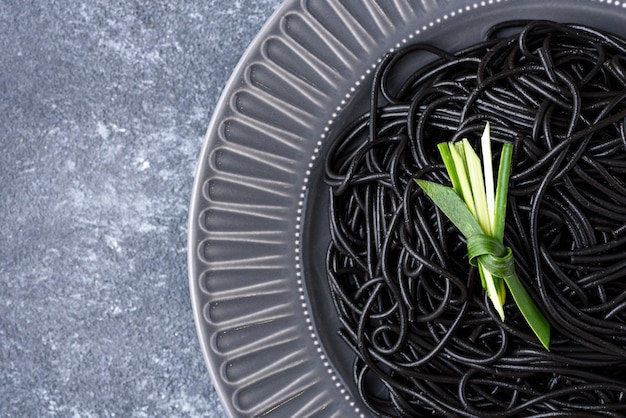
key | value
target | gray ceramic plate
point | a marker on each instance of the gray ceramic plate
(257, 232)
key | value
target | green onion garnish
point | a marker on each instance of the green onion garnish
(478, 211)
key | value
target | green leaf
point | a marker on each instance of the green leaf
(502, 190)
(530, 311)
(448, 161)
(451, 204)
(492, 290)
(501, 290)
(460, 169)
(475, 171)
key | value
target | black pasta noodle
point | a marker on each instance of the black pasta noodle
(425, 338)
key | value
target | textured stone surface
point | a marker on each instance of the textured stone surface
(103, 110)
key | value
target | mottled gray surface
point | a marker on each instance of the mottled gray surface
(103, 110)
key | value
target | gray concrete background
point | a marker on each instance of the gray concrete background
(103, 110)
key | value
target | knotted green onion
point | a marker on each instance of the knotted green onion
(479, 211)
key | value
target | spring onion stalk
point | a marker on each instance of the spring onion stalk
(478, 210)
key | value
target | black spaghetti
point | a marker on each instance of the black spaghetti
(427, 341)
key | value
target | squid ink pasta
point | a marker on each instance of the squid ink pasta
(426, 340)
